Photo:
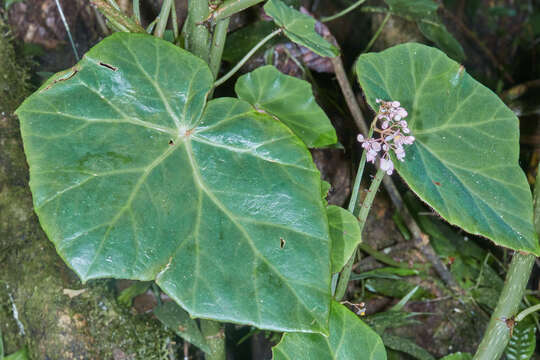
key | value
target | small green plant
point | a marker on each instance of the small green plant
(138, 173)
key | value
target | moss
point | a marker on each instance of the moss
(13, 77)
(33, 277)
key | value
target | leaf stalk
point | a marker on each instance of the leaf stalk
(246, 58)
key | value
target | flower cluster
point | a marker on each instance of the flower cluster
(392, 135)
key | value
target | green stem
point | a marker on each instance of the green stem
(214, 334)
(152, 25)
(343, 12)
(362, 216)
(231, 7)
(137, 11)
(197, 34)
(218, 44)
(377, 33)
(246, 58)
(498, 333)
(527, 311)
(174, 21)
(163, 18)
(67, 30)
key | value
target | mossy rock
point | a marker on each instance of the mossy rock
(35, 309)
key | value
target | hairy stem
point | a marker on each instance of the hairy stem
(218, 44)
(343, 12)
(197, 34)
(231, 7)
(163, 18)
(498, 333)
(362, 216)
(214, 334)
(246, 58)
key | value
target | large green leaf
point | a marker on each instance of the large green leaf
(299, 27)
(464, 162)
(134, 177)
(349, 338)
(345, 234)
(291, 101)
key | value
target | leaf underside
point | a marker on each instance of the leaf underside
(299, 27)
(134, 176)
(464, 162)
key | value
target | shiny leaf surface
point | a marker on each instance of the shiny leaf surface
(291, 101)
(299, 27)
(134, 176)
(464, 162)
(345, 234)
(350, 338)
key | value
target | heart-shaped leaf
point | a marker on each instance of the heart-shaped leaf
(299, 27)
(349, 338)
(464, 162)
(133, 176)
(345, 234)
(291, 101)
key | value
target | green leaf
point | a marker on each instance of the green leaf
(464, 162)
(523, 341)
(291, 101)
(394, 288)
(416, 9)
(345, 234)
(177, 319)
(458, 356)
(128, 294)
(407, 346)
(8, 3)
(424, 12)
(241, 41)
(299, 27)
(437, 32)
(19, 355)
(349, 338)
(383, 273)
(134, 176)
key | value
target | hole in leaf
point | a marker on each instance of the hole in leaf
(171, 142)
(108, 66)
(281, 242)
